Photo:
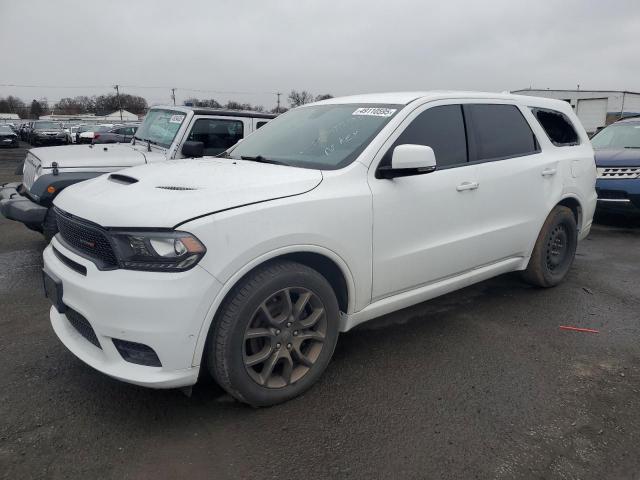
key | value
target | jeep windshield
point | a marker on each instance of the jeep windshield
(623, 135)
(325, 137)
(160, 127)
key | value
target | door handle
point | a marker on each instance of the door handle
(549, 172)
(467, 186)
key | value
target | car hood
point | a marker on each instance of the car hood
(90, 156)
(169, 193)
(618, 157)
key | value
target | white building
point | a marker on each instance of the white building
(594, 108)
(9, 117)
(91, 118)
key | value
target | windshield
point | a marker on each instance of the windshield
(160, 127)
(5, 129)
(622, 135)
(46, 126)
(326, 137)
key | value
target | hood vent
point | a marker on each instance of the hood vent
(124, 179)
(175, 187)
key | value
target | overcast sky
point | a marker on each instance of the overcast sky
(324, 46)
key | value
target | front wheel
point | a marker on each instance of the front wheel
(554, 250)
(274, 334)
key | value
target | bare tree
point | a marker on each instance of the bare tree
(299, 98)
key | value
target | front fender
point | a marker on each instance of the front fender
(60, 181)
(233, 280)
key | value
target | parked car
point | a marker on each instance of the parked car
(617, 151)
(167, 133)
(44, 132)
(8, 138)
(87, 134)
(119, 134)
(73, 132)
(330, 215)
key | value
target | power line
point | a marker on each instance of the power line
(199, 90)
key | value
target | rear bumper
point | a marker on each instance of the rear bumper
(20, 208)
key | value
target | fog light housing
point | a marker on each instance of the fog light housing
(137, 353)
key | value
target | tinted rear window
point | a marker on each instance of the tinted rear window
(557, 127)
(499, 131)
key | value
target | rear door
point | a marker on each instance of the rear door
(517, 181)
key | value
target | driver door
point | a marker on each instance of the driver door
(424, 226)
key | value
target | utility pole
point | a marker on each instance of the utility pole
(173, 95)
(118, 96)
(278, 107)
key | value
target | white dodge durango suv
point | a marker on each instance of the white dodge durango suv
(249, 264)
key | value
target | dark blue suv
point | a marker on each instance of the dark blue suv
(617, 152)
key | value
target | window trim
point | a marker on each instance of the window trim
(534, 109)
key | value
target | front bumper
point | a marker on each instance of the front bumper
(15, 206)
(50, 140)
(164, 311)
(618, 195)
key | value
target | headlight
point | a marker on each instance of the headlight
(169, 251)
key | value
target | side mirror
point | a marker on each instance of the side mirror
(409, 160)
(191, 149)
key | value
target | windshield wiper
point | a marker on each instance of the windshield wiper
(261, 159)
(631, 147)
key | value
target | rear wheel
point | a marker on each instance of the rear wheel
(555, 249)
(274, 334)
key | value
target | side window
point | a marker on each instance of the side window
(441, 128)
(499, 131)
(557, 126)
(260, 124)
(217, 134)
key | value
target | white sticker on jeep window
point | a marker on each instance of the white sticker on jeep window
(176, 119)
(375, 112)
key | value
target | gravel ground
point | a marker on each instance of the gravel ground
(480, 383)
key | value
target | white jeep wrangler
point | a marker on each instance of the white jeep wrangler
(166, 133)
(332, 214)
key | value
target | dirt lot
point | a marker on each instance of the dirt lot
(477, 384)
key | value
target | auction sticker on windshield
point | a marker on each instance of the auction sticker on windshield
(176, 119)
(375, 112)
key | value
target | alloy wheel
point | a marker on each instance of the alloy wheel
(284, 337)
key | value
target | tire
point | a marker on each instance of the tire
(554, 250)
(298, 348)
(49, 226)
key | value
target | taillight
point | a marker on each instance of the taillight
(96, 136)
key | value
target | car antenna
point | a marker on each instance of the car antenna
(148, 145)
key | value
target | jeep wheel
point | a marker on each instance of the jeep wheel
(274, 334)
(554, 250)
(49, 226)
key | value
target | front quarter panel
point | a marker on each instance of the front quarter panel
(334, 220)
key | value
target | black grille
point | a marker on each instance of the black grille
(83, 326)
(86, 237)
(611, 194)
